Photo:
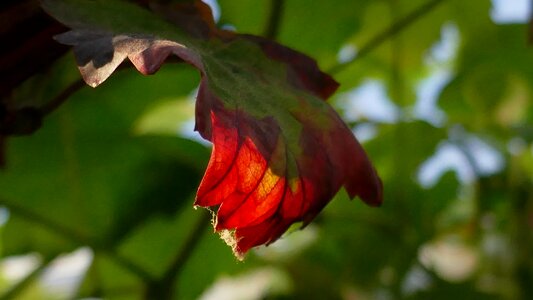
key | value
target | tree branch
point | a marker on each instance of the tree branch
(76, 237)
(274, 19)
(165, 287)
(189, 245)
(128, 264)
(49, 224)
(61, 98)
(389, 32)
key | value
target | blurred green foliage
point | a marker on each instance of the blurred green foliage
(113, 170)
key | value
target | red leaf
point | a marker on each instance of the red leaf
(261, 188)
(280, 153)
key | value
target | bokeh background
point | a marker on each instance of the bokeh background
(97, 203)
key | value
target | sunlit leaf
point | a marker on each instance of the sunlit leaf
(280, 152)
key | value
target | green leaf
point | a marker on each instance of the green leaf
(490, 82)
(90, 175)
(325, 46)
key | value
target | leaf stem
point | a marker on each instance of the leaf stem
(389, 32)
(274, 19)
